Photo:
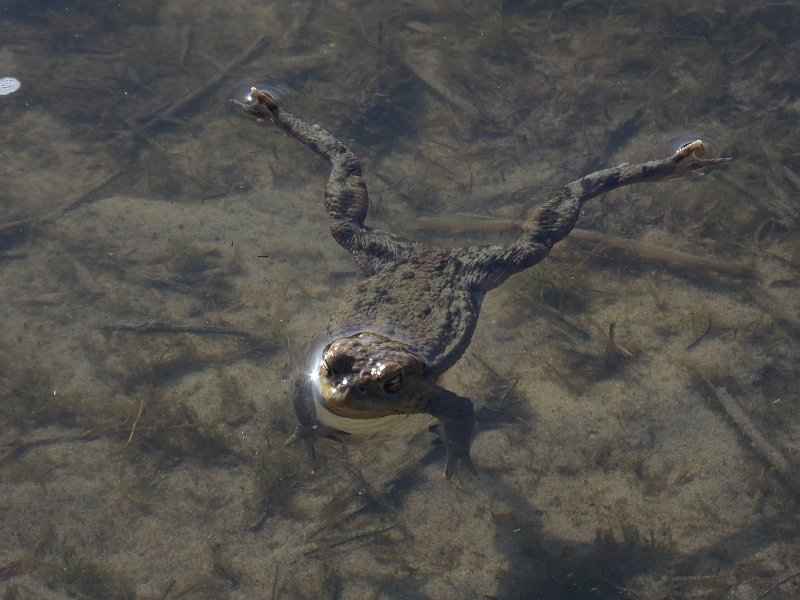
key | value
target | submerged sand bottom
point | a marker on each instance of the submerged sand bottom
(153, 375)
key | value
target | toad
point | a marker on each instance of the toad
(413, 315)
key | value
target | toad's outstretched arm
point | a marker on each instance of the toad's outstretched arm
(346, 197)
(552, 221)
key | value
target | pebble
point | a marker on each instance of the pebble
(9, 85)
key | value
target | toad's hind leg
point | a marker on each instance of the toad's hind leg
(346, 197)
(552, 221)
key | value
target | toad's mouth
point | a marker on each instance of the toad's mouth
(347, 401)
(362, 423)
(364, 395)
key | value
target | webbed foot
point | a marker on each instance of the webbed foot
(262, 105)
(686, 161)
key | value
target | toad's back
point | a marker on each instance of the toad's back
(425, 301)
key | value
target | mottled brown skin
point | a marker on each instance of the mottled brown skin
(414, 314)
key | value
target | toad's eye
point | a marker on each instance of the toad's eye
(393, 384)
(324, 369)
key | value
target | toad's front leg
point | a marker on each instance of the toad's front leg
(346, 197)
(552, 221)
(309, 428)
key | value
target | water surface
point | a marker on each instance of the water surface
(164, 264)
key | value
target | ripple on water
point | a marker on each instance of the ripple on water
(272, 86)
(710, 147)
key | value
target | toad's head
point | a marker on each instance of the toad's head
(367, 375)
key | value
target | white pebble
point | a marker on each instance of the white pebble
(8, 85)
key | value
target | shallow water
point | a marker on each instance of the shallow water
(165, 263)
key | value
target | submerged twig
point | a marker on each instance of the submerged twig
(767, 302)
(665, 255)
(566, 381)
(791, 577)
(136, 420)
(180, 104)
(347, 540)
(641, 249)
(162, 327)
(701, 336)
(557, 315)
(775, 200)
(11, 569)
(84, 198)
(613, 350)
(23, 447)
(337, 519)
(765, 450)
(275, 582)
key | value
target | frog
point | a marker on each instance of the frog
(413, 314)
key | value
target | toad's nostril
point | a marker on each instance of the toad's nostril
(339, 362)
